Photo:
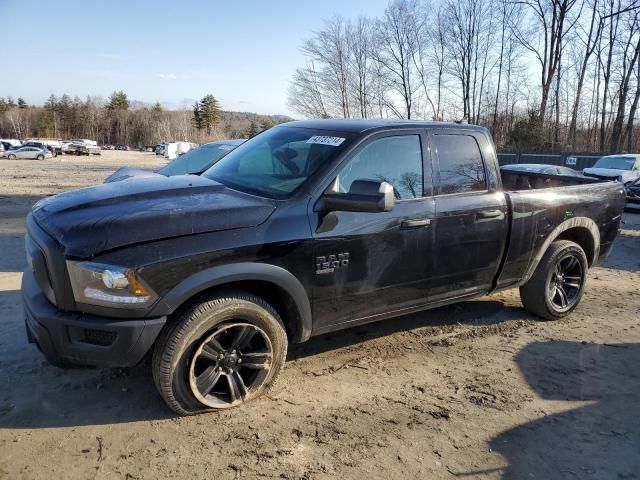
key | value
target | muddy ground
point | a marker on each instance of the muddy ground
(477, 390)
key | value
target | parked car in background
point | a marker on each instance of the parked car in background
(174, 149)
(81, 147)
(160, 148)
(542, 168)
(622, 167)
(10, 143)
(43, 146)
(632, 191)
(33, 153)
(54, 145)
(194, 162)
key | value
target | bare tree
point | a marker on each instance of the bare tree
(627, 67)
(305, 93)
(551, 20)
(360, 41)
(396, 49)
(330, 48)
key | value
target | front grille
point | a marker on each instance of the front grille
(102, 338)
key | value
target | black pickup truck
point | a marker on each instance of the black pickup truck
(309, 227)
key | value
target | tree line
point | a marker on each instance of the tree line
(540, 74)
(120, 120)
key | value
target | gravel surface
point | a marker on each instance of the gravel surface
(481, 389)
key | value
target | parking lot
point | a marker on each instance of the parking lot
(481, 389)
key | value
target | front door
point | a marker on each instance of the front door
(367, 264)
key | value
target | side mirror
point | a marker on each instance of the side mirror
(364, 196)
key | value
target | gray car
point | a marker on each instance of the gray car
(194, 162)
(32, 153)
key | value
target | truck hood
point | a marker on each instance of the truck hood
(95, 219)
(613, 173)
(124, 173)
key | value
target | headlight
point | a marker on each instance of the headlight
(108, 285)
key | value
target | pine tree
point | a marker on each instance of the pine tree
(267, 123)
(197, 117)
(48, 123)
(22, 103)
(253, 129)
(209, 112)
(118, 101)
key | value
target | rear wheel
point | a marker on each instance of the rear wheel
(557, 285)
(40, 157)
(220, 353)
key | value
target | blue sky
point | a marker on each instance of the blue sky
(243, 52)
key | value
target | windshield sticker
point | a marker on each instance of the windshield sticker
(226, 148)
(322, 140)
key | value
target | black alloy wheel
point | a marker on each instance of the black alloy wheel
(230, 365)
(565, 282)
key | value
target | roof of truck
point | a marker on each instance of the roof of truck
(360, 125)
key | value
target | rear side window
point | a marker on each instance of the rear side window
(461, 166)
(396, 160)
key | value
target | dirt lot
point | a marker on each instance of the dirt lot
(477, 390)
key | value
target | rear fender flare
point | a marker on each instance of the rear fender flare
(582, 222)
(235, 272)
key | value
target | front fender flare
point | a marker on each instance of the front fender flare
(236, 272)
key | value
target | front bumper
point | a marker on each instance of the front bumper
(82, 339)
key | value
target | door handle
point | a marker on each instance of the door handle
(415, 223)
(488, 214)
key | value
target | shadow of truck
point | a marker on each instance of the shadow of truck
(598, 441)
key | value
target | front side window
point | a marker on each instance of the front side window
(396, 160)
(461, 166)
(278, 161)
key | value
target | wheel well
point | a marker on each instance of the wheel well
(583, 237)
(276, 296)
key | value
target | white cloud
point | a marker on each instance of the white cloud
(166, 76)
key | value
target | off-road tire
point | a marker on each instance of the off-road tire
(179, 340)
(534, 294)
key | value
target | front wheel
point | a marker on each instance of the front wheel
(557, 285)
(40, 157)
(220, 353)
(12, 157)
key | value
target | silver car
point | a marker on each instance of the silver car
(33, 153)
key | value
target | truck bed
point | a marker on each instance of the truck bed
(513, 180)
(542, 205)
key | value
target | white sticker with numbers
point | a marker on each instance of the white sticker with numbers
(226, 148)
(322, 140)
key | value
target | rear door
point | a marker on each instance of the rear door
(471, 214)
(369, 264)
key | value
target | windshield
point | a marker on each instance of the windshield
(617, 163)
(278, 161)
(197, 160)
